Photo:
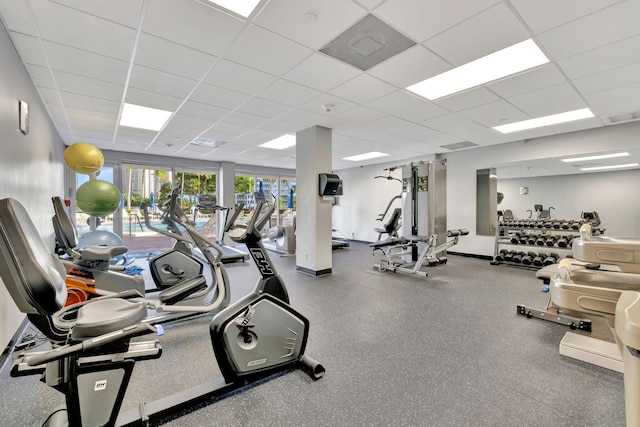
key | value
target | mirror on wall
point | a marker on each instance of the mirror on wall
(486, 202)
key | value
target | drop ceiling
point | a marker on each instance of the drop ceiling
(243, 82)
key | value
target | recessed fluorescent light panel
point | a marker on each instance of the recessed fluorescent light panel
(280, 143)
(137, 116)
(603, 156)
(241, 7)
(365, 156)
(553, 119)
(506, 62)
(601, 168)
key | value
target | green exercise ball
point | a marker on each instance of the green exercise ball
(98, 198)
(83, 158)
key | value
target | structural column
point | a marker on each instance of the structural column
(226, 194)
(313, 212)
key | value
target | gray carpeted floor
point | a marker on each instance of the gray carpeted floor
(446, 350)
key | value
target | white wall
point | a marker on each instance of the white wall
(31, 166)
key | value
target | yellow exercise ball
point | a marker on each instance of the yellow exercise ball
(83, 158)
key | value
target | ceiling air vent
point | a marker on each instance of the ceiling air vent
(459, 145)
(620, 118)
(211, 143)
(367, 43)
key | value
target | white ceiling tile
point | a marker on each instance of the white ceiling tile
(300, 117)
(578, 125)
(223, 131)
(396, 102)
(396, 126)
(160, 82)
(84, 102)
(29, 49)
(421, 20)
(280, 127)
(205, 111)
(263, 107)
(90, 115)
(617, 94)
(173, 58)
(620, 107)
(263, 50)
(411, 66)
(85, 63)
(551, 100)
(467, 99)
(134, 135)
(152, 100)
(191, 122)
(528, 81)
(362, 89)
(314, 35)
(40, 76)
(125, 12)
(615, 55)
(289, 93)
(334, 104)
(192, 24)
(423, 111)
(16, 17)
(321, 72)
(360, 115)
(494, 114)
(252, 138)
(87, 86)
(245, 119)
(479, 36)
(49, 96)
(613, 24)
(62, 25)
(608, 79)
(542, 15)
(238, 77)
(106, 128)
(220, 97)
(369, 4)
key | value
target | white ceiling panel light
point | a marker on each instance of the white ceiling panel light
(365, 156)
(600, 157)
(241, 7)
(137, 116)
(554, 119)
(503, 63)
(602, 168)
(281, 142)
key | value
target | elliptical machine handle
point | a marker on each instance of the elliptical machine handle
(231, 221)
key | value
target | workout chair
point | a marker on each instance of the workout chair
(91, 261)
(91, 340)
(390, 228)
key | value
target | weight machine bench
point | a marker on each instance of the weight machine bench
(422, 250)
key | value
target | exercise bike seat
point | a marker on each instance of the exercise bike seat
(101, 253)
(105, 316)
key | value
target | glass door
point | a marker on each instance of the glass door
(152, 186)
(198, 195)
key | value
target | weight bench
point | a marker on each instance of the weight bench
(409, 246)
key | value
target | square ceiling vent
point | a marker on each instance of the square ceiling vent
(460, 145)
(367, 43)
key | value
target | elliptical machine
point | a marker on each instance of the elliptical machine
(256, 337)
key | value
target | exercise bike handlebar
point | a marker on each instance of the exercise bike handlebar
(90, 344)
(240, 232)
(201, 241)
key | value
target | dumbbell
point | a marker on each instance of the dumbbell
(551, 240)
(539, 259)
(517, 258)
(541, 239)
(564, 241)
(528, 258)
(509, 256)
(500, 255)
(551, 259)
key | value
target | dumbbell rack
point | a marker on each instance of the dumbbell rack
(533, 243)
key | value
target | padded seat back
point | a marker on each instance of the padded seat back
(66, 236)
(33, 275)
